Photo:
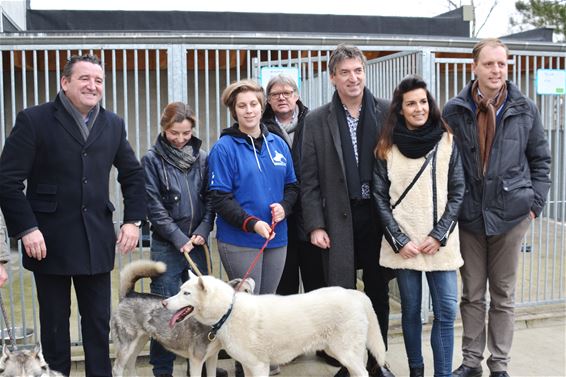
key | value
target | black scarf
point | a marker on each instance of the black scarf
(416, 143)
(359, 173)
(182, 158)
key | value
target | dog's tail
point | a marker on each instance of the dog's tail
(136, 270)
(375, 342)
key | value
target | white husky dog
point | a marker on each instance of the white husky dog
(259, 330)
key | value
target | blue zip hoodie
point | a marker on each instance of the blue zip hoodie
(256, 178)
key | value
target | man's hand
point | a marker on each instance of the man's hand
(320, 238)
(34, 244)
(128, 238)
(3, 274)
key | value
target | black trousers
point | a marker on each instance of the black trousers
(367, 244)
(304, 257)
(93, 298)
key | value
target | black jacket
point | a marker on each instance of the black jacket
(295, 221)
(177, 202)
(447, 221)
(67, 191)
(517, 177)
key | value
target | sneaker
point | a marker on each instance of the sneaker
(499, 374)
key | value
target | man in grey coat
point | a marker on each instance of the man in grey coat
(336, 170)
(506, 161)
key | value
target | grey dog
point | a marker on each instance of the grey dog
(28, 363)
(141, 316)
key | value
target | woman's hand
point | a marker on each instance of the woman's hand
(277, 212)
(195, 240)
(263, 229)
(430, 246)
(410, 250)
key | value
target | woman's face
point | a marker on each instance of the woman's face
(415, 108)
(179, 134)
(248, 112)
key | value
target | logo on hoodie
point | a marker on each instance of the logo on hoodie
(279, 159)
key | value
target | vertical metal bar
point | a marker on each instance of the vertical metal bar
(207, 97)
(196, 83)
(2, 110)
(217, 91)
(45, 74)
(147, 104)
(136, 101)
(157, 89)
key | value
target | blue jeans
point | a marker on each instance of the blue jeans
(168, 285)
(444, 292)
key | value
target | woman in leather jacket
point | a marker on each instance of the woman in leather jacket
(180, 214)
(418, 187)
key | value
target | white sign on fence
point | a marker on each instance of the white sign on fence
(266, 73)
(551, 81)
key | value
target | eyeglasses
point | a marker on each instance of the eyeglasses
(285, 95)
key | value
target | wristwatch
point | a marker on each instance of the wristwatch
(136, 223)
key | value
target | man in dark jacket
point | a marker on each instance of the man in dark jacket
(506, 161)
(65, 150)
(336, 170)
(285, 116)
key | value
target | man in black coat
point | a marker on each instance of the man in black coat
(336, 171)
(65, 150)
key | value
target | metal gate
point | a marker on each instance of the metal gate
(142, 76)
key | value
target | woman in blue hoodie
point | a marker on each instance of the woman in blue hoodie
(252, 184)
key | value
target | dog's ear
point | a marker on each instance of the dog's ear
(201, 284)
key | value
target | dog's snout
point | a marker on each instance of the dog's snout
(164, 303)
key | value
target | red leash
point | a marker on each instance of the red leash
(250, 269)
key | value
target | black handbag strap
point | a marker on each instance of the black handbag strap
(429, 157)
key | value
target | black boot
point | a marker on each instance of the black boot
(416, 372)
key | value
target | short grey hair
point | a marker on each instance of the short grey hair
(343, 52)
(281, 79)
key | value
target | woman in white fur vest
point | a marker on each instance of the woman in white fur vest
(418, 187)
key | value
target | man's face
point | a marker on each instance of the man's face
(85, 86)
(349, 79)
(282, 99)
(491, 70)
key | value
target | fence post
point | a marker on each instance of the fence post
(177, 73)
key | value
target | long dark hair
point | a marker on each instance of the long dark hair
(408, 84)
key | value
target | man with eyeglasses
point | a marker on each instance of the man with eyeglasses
(284, 116)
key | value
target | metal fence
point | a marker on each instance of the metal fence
(145, 72)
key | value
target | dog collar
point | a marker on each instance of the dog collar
(218, 325)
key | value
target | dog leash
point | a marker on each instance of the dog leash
(256, 259)
(193, 264)
(7, 323)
